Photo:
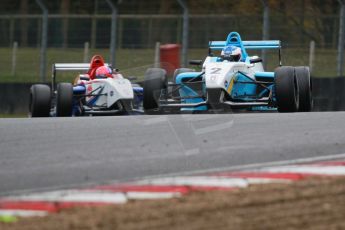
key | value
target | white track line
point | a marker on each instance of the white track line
(202, 181)
(210, 181)
(308, 169)
(151, 195)
(73, 196)
(251, 166)
(266, 180)
(22, 213)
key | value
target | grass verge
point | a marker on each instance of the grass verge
(134, 62)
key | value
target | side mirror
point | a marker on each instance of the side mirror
(210, 52)
(195, 62)
(84, 77)
(255, 60)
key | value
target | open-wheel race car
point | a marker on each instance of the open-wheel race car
(91, 94)
(230, 81)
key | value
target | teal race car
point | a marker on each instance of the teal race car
(233, 80)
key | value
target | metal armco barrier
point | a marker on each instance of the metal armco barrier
(14, 98)
(328, 94)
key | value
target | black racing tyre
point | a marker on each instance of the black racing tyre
(155, 81)
(305, 88)
(64, 100)
(286, 89)
(40, 101)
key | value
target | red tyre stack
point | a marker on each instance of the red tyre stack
(170, 57)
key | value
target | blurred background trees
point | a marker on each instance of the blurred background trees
(79, 28)
(296, 21)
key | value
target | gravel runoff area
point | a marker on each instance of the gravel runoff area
(315, 203)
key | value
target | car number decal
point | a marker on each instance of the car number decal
(215, 70)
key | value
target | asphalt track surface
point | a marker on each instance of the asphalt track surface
(50, 153)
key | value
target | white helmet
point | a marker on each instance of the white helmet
(231, 53)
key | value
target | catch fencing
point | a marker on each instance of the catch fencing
(90, 33)
(142, 31)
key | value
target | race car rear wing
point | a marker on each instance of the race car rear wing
(69, 67)
(234, 39)
(250, 45)
(273, 44)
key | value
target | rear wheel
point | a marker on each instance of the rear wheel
(155, 81)
(305, 88)
(286, 89)
(64, 100)
(40, 99)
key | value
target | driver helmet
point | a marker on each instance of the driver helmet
(103, 72)
(231, 53)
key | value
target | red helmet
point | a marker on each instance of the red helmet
(103, 71)
(96, 61)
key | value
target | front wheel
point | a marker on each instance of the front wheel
(286, 89)
(40, 100)
(64, 100)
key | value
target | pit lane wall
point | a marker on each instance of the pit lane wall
(328, 93)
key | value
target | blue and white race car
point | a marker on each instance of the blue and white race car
(114, 95)
(233, 80)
